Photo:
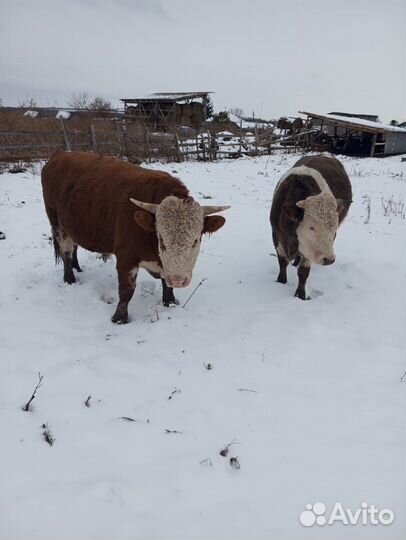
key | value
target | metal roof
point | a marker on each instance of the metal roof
(358, 123)
(167, 96)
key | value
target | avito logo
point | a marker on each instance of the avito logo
(367, 514)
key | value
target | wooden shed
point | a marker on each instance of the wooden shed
(353, 135)
(168, 110)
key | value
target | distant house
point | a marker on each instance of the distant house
(354, 135)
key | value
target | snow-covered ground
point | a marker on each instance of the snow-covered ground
(309, 392)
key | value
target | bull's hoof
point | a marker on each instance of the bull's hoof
(281, 279)
(301, 294)
(172, 302)
(69, 278)
(119, 320)
(120, 317)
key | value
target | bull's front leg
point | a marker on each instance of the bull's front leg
(303, 271)
(168, 297)
(126, 285)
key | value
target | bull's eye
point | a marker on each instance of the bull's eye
(311, 228)
(161, 244)
(195, 243)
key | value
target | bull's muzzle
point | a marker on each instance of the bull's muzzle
(177, 282)
(328, 260)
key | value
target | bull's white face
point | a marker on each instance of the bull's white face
(317, 231)
(179, 225)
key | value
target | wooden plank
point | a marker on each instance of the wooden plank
(65, 136)
(93, 138)
(373, 144)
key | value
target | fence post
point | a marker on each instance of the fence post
(93, 137)
(65, 136)
(179, 150)
(256, 138)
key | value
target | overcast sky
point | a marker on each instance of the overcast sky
(273, 57)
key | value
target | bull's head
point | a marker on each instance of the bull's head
(179, 225)
(317, 230)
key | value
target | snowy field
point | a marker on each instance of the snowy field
(309, 392)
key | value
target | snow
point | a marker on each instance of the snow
(63, 114)
(310, 392)
(245, 124)
(31, 114)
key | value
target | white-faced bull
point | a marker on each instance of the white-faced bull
(310, 202)
(146, 218)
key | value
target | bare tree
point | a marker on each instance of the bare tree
(83, 101)
(79, 100)
(100, 104)
(28, 103)
(237, 111)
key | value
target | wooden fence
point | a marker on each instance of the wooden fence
(134, 142)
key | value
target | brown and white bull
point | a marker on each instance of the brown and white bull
(146, 218)
(310, 202)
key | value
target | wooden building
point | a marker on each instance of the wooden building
(353, 135)
(165, 111)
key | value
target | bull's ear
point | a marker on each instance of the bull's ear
(145, 220)
(292, 212)
(342, 207)
(213, 224)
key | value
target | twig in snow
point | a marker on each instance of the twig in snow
(207, 462)
(87, 402)
(246, 390)
(176, 391)
(366, 201)
(225, 450)
(235, 464)
(195, 289)
(27, 405)
(208, 366)
(47, 435)
(172, 431)
(127, 418)
(403, 377)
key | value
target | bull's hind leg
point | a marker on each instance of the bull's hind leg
(303, 271)
(283, 263)
(64, 248)
(282, 259)
(75, 262)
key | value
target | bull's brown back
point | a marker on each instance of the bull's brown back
(90, 195)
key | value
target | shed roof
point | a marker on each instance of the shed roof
(166, 96)
(363, 125)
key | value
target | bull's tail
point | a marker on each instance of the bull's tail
(53, 220)
(57, 251)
